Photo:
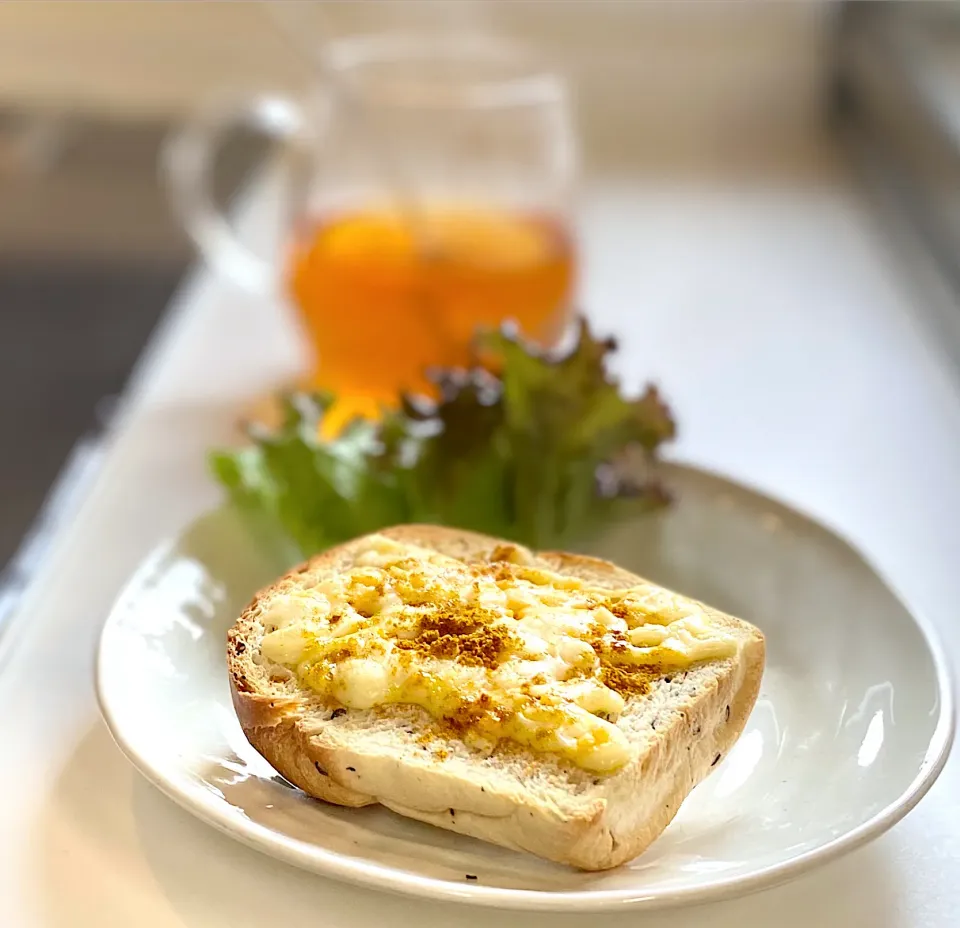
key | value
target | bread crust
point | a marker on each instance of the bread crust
(598, 823)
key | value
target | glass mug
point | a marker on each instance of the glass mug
(431, 195)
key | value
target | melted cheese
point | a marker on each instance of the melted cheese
(497, 650)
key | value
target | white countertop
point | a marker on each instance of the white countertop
(787, 338)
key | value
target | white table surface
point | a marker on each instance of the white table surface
(788, 339)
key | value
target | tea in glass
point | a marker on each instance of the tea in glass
(381, 301)
(430, 185)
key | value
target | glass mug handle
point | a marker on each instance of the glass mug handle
(187, 161)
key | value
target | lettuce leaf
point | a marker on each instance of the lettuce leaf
(529, 447)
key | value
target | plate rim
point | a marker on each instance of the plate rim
(332, 864)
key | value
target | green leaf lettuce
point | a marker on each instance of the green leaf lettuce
(532, 452)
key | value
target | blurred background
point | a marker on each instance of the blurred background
(701, 99)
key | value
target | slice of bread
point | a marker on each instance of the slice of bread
(398, 756)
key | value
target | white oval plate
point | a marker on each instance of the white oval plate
(853, 724)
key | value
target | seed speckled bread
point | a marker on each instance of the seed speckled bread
(396, 755)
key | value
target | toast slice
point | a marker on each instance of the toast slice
(678, 726)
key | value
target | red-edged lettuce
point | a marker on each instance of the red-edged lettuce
(533, 453)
